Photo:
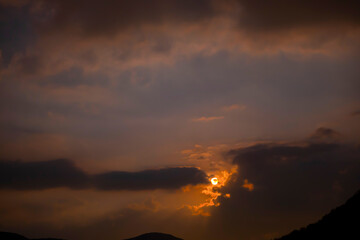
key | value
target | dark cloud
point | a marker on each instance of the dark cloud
(168, 178)
(63, 173)
(16, 29)
(307, 166)
(41, 175)
(322, 134)
(293, 182)
(277, 153)
(93, 18)
(282, 14)
(356, 113)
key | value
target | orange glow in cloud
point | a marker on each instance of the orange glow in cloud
(249, 186)
(221, 171)
(213, 192)
(234, 107)
(207, 119)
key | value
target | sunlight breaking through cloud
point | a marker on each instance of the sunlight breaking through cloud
(211, 160)
(213, 193)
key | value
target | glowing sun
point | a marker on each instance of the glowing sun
(214, 181)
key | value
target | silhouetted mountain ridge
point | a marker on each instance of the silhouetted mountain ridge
(146, 236)
(15, 236)
(341, 223)
(155, 236)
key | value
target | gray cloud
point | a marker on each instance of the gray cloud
(309, 166)
(168, 178)
(15, 24)
(93, 18)
(63, 173)
(283, 15)
(324, 133)
(108, 17)
(41, 175)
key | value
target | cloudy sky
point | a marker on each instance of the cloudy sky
(115, 115)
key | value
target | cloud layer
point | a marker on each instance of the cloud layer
(63, 173)
(94, 18)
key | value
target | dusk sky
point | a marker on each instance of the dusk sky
(115, 116)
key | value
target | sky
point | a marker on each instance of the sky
(115, 115)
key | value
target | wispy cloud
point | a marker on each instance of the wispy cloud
(207, 119)
(234, 107)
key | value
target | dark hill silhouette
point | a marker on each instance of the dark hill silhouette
(341, 223)
(155, 236)
(47, 239)
(15, 236)
(146, 236)
(11, 236)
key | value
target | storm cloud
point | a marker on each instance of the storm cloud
(63, 173)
